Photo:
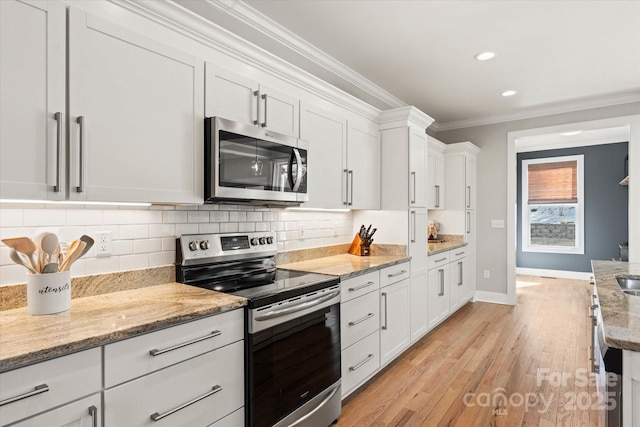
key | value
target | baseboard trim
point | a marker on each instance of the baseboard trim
(492, 297)
(559, 274)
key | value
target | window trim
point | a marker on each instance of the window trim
(578, 249)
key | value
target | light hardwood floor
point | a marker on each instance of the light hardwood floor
(493, 365)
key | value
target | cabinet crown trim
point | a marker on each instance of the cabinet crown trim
(404, 116)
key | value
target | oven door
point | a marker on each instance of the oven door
(293, 359)
(250, 163)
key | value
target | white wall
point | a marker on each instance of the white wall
(493, 181)
(145, 237)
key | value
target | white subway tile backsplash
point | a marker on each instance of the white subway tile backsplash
(144, 237)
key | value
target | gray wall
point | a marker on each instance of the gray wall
(492, 182)
(605, 203)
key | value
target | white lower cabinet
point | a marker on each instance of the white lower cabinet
(359, 362)
(394, 312)
(438, 283)
(34, 389)
(631, 388)
(196, 392)
(85, 412)
(234, 419)
(419, 305)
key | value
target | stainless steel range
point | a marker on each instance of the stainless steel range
(292, 326)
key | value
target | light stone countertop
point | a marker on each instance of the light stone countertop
(620, 312)
(97, 320)
(346, 265)
(436, 248)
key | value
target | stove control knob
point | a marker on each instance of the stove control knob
(193, 245)
(270, 240)
(204, 245)
(254, 241)
(263, 240)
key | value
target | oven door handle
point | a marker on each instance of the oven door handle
(317, 408)
(297, 307)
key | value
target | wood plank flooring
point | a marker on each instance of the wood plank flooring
(493, 365)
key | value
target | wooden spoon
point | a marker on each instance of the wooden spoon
(24, 245)
(15, 257)
(73, 253)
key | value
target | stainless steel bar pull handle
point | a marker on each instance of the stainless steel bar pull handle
(156, 352)
(441, 273)
(413, 197)
(39, 389)
(356, 322)
(58, 118)
(369, 357)
(384, 327)
(413, 226)
(157, 417)
(468, 196)
(93, 412)
(83, 125)
(365, 285)
(460, 272)
(351, 198)
(396, 274)
(346, 186)
(257, 95)
(264, 96)
(468, 222)
(437, 196)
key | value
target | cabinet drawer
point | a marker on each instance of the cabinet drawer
(394, 274)
(132, 358)
(456, 254)
(359, 362)
(359, 318)
(52, 383)
(352, 288)
(86, 412)
(438, 260)
(159, 394)
(235, 419)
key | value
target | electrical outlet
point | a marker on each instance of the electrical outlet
(103, 244)
(486, 274)
(497, 223)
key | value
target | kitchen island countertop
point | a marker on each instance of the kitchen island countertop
(346, 265)
(620, 312)
(98, 320)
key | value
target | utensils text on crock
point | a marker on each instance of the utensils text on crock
(25, 246)
(73, 253)
(18, 259)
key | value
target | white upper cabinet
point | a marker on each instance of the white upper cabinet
(404, 154)
(326, 134)
(461, 176)
(32, 105)
(136, 113)
(363, 166)
(435, 174)
(247, 101)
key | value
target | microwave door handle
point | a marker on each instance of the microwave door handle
(299, 171)
(290, 170)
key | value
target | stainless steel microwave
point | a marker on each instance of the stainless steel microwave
(250, 165)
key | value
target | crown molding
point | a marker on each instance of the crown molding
(262, 23)
(547, 110)
(177, 18)
(404, 116)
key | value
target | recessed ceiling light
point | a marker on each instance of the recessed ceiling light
(508, 93)
(570, 133)
(484, 56)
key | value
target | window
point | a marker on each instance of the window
(552, 205)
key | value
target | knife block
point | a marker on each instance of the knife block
(358, 248)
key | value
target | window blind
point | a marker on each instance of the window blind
(555, 182)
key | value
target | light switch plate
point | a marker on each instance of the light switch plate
(497, 223)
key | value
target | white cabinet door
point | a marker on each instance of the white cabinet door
(470, 229)
(419, 305)
(435, 180)
(417, 168)
(279, 111)
(136, 113)
(468, 288)
(456, 282)
(230, 96)
(438, 294)
(394, 326)
(83, 413)
(470, 181)
(326, 134)
(32, 104)
(363, 159)
(418, 243)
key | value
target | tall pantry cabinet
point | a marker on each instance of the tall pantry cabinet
(404, 194)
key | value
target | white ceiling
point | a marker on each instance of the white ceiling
(558, 55)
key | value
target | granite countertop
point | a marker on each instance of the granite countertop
(346, 265)
(436, 248)
(620, 312)
(97, 320)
